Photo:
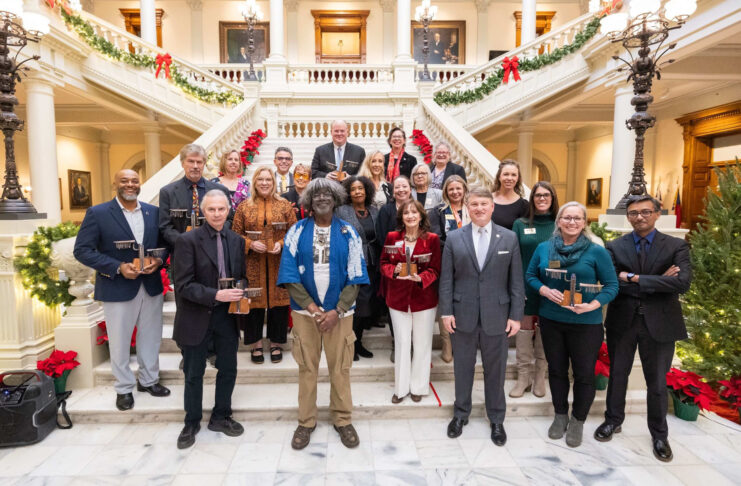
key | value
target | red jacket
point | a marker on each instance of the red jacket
(402, 295)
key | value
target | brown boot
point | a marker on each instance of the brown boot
(541, 367)
(447, 351)
(524, 345)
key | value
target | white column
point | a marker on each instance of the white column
(623, 145)
(527, 31)
(149, 21)
(482, 31)
(152, 153)
(196, 30)
(291, 30)
(276, 30)
(571, 162)
(104, 162)
(525, 152)
(42, 147)
(388, 29)
(403, 24)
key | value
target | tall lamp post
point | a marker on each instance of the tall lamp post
(252, 14)
(13, 34)
(424, 14)
(647, 24)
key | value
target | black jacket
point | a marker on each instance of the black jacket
(405, 167)
(324, 159)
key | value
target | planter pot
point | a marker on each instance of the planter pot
(60, 383)
(685, 411)
(600, 382)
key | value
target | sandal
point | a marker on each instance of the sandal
(257, 358)
(276, 357)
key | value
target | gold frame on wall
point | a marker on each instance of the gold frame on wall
(416, 44)
(595, 201)
(226, 27)
(86, 183)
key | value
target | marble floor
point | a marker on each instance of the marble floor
(391, 452)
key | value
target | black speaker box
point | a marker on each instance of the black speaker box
(28, 407)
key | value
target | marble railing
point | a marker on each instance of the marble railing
(322, 129)
(337, 74)
(444, 73)
(234, 73)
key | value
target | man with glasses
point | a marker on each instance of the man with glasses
(653, 270)
(283, 161)
(443, 167)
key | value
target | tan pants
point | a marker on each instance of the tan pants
(307, 350)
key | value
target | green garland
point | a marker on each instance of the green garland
(34, 265)
(491, 83)
(87, 33)
(601, 231)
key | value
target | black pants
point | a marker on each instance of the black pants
(656, 359)
(579, 345)
(359, 324)
(223, 331)
(277, 325)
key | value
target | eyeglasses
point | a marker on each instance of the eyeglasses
(644, 212)
(301, 177)
(284, 159)
(570, 219)
(546, 195)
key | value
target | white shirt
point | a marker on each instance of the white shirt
(135, 219)
(283, 181)
(475, 234)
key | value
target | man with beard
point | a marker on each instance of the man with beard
(131, 296)
(322, 266)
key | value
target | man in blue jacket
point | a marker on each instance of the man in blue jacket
(131, 296)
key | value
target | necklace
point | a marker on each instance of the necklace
(410, 239)
(361, 212)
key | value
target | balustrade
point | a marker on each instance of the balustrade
(323, 130)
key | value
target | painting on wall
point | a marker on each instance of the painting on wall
(80, 189)
(447, 42)
(233, 41)
(594, 193)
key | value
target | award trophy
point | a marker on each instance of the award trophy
(268, 235)
(180, 220)
(241, 306)
(571, 296)
(340, 172)
(144, 257)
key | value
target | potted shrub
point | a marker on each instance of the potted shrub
(731, 392)
(689, 393)
(602, 368)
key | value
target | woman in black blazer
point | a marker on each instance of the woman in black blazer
(401, 162)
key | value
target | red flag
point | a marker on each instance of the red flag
(678, 209)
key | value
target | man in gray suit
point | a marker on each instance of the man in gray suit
(482, 300)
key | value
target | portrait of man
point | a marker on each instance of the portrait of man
(594, 193)
(234, 39)
(80, 193)
(446, 42)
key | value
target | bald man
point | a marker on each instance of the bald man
(131, 295)
(339, 152)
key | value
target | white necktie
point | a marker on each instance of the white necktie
(339, 157)
(483, 248)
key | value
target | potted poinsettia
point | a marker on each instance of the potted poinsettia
(103, 337)
(602, 368)
(689, 393)
(731, 392)
(57, 366)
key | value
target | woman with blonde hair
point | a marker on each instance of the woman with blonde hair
(373, 168)
(509, 205)
(231, 176)
(262, 221)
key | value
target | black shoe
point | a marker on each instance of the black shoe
(257, 358)
(187, 436)
(604, 432)
(276, 357)
(662, 451)
(125, 401)
(498, 435)
(363, 352)
(455, 427)
(227, 425)
(155, 390)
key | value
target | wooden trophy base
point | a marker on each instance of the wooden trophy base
(340, 176)
(407, 271)
(244, 307)
(566, 302)
(147, 261)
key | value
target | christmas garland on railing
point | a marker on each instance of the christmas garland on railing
(87, 33)
(452, 98)
(35, 265)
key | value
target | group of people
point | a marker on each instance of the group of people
(334, 246)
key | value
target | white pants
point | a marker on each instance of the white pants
(412, 375)
(145, 312)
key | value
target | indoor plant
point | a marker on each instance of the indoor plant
(689, 393)
(58, 365)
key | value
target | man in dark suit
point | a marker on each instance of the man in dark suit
(482, 300)
(437, 49)
(201, 258)
(443, 167)
(186, 193)
(241, 57)
(327, 158)
(131, 295)
(79, 194)
(653, 270)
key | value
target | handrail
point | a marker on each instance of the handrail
(234, 72)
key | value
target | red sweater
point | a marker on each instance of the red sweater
(402, 295)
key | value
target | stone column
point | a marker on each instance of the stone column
(276, 31)
(388, 29)
(623, 145)
(482, 31)
(525, 152)
(42, 147)
(403, 24)
(104, 157)
(152, 152)
(527, 31)
(571, 162)
(291, 30)
(149, 21)
(196, 30)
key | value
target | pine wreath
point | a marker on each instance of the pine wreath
(35, 268)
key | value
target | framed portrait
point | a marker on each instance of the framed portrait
(447, 42)
(80, 189)
(233, 41)
(594, 193)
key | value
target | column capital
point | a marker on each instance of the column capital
(482, 6)
(151, 127)
(525, 127)
(291, 5)
(387, 5)
(195, 4)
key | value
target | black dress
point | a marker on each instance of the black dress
(292, 196)
(506, 214)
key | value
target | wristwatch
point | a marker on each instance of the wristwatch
(339, 312)
(630, 276)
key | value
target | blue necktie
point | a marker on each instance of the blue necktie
(339, 157)
(483, 248)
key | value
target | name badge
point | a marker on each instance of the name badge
(449, 216)
(529, 231)
(554, 264)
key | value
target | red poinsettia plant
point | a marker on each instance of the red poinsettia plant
(103, 338)
(166, 284)
(731, 391)
(420, 140)
(689, 387)
(249, 149)
(58, 362)
(602, 366)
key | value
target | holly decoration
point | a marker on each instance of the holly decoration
(420, 140)
(249, 150)
(35, 268)
(452, 98)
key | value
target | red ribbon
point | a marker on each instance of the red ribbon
(615, 5)
(510, 65)
(166, 60)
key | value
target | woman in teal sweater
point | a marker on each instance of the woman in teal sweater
(572, 333)
(532, 230)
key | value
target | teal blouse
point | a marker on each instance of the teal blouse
(530, 237)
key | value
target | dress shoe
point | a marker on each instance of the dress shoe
(362, 351)
(662, 451)
(187, 436)
(155, 390)
(348, 435)
(228, 426)
(455, 427)
(396, 399)
(498, 435)
(301, 437)
(124, 401)
(415, 398)
(604, 432)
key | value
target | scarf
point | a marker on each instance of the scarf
(567, 254)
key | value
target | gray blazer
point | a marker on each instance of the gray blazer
(493, 294)
(434, 197)
(347, 213)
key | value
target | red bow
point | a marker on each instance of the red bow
(510, 65)
(166, 60)
(614, 5)
(63, 4)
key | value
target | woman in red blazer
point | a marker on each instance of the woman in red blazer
(412, 298)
